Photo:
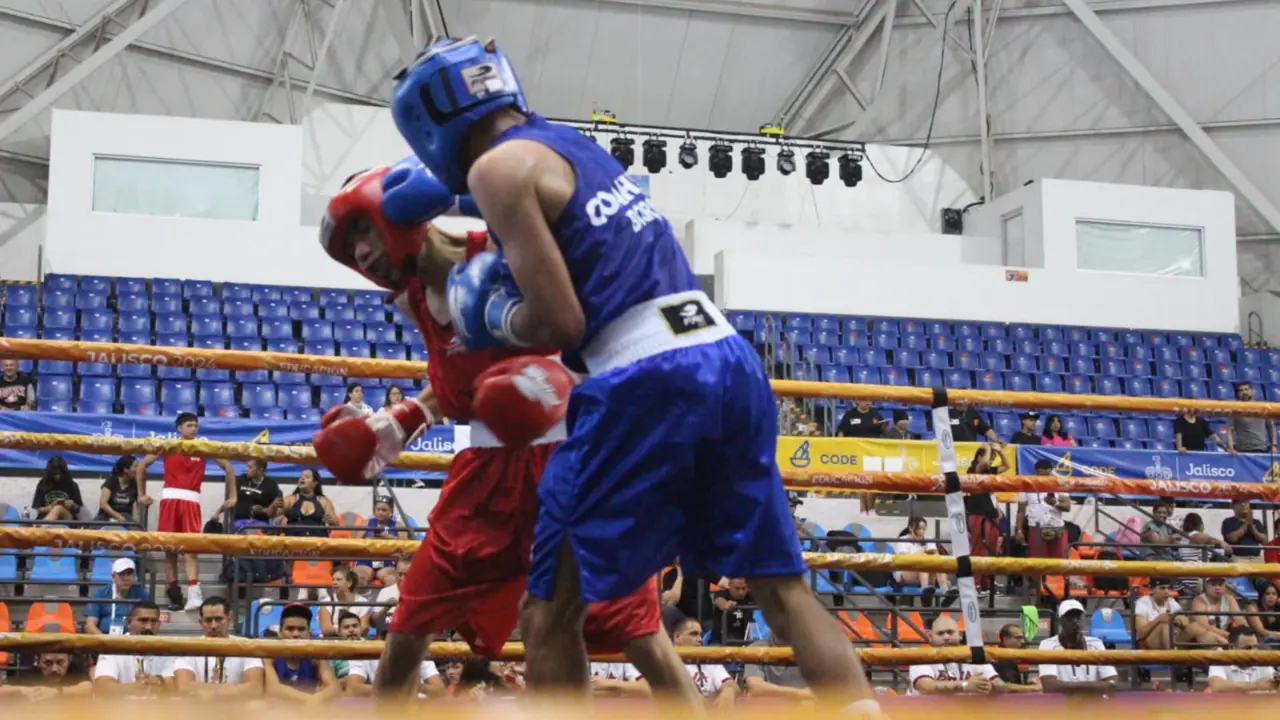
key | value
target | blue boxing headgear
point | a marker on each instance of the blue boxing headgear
(437, 100)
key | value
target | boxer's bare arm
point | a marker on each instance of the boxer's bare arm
(519, 186)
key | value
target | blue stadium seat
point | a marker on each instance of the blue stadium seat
(135, 338)
(1132, 428)
(1223, 371)
(907, 359)
(252, 376)
(370, 297)
(243, 327)
(207, 374)
(210, 342)
(1177, 339)
(204, 306)
(313, 330)
(257, 395)
(130, 286)
(295, 295)
(149, 409)
(20, 296)
(309, 414)
(987, 381)
(58, 281)
(273, 310)
(1250, 373)
(418, 352)
(217, 395)
(830, 373)
(19, 331)
(97, 320)
(197, 289)
(54, 367)
(133, 302)
(64, 299)
(376, 397)
(1084, 349)
(91, 300)
(271, 413)
(959, 379)
(236, 291)
(166, 286)
(1001, 345)
(1078, 385)
(329, 298)
(396, 351)
(296, 396)
(994, 362)
(332, 395)
(1195, 389)
(354, 348)
(1194, 371)
(1102, 427)
(54, 566)
(1138, 368)
(95, 407)
(173, 340)
(15, 317)
(928, 378)
(1080, 365)
(994, 330)
(178, 393)
(1017, 381)
(381, 333)
(238, 308)
(1020, 362)
(1168, 388)
(1114, 366)
(170, 323)
(246, 344)
(133, 391)
(346, 331)
(267, 292)
(166, 304)
(1232, 342)
(937, 360)
(277, 329)
(282, 345)
(58, 334)
(1048, 382)
(304, 311)
(287, 378)
(1142, 352)
(1137, 387)
(206, 325)
(411, 334)
(967, 330)
(1249, 356)
(907, 342)
(371, 313)
(972, 361)
(53, 387)
(318, 347)
(56, 406)
(60, 318)
(101, 389)
(1222, 390)
(855, 338)
(1218, 355)
(134, 321)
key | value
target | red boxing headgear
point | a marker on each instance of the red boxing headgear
(360, 199)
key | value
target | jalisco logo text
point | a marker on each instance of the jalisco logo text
(114, 358)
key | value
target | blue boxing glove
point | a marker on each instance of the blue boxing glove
(479, 306)
(412, 195)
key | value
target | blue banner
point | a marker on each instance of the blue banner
(1150, 464)
(439, 439)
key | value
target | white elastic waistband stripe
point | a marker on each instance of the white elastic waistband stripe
(483, 437)
(647, 330)
(179, 494)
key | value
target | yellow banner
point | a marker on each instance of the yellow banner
(836, 455)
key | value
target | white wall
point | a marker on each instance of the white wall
(22, 231)
(274, 249)
(918, 286)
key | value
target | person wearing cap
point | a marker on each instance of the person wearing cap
(1041, 526)
(952, 678)
(1070, 679)
(1159, 621)
(806, 529)
(1237, 679)
(105, 615)
(1210, 609)
(135, 675)
(899, 429)
(1027, 435)
(299, 679)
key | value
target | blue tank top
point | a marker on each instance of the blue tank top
(303, 677)
(620, 251)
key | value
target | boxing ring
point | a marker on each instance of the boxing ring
(949, 482)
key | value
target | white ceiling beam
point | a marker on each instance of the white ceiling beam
(49, 95)
(1175, 111)
(55, 53)
(1039, 135)
(796, 118)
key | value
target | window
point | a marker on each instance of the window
(175, 188)
(1012, 233)
(1139, 249)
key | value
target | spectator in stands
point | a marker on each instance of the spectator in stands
(57, 496)
(969, 426)
(1071, 679)
(1054, 434)
(1194, 536)
(806, 529)
(307, 511)
(898, 430)
(1210, 608)
(299, 680)
(480, 680)
(135, 675)
(912, 542)
(1190, 433)
(951, 678)
(689, 594)
(382, 526)
(1249, 434)
(121, 494)
(348, 630)
(1041, 514)
(783, 682)
(1243, 532)
(732, 612)
(611, 680)
(258, 497)
(104, 616)
(861, 421)
(1013, 679)
(355, 399)
(1159, 621)
(17, 392)
(1158, 531)
(362, 672)
(1237, 679)
(982, 515)
(713, 681)
(341, 598)
(217, 677)
(63, 673)
(394, 395)
(1271, 553)
(389, 595)
(1026, 435)
(1266, 618)
(180, 507)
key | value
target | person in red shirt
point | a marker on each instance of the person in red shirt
(180, 507)
(471, 570)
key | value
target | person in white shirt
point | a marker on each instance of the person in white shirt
(131, 675)
(360, 675)
(1158, 620)
(220, 677)
(355, 399)
(1236, 679)
(1075, 679)
(1042, 515)
(618, 680)
(912, 543)
(713, 681)
(339, 599)
(951, 678)
(389, 595)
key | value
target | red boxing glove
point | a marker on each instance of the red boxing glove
(522, 398)
(356, 449)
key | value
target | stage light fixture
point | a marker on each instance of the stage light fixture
(753, 162)
(786, 161)
(720, 159)
(623, 150)
(688, 154)
(850, 169)
(816, 167)
(654, 154)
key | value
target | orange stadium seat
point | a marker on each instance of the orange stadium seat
(50, 617)
(4, 627)
(349, 519)
(312, 572)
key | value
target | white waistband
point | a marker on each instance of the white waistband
(666, 323)
(483, 437)
(179, 494)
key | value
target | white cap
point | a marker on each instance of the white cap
(122, 565)
(1067, 606)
